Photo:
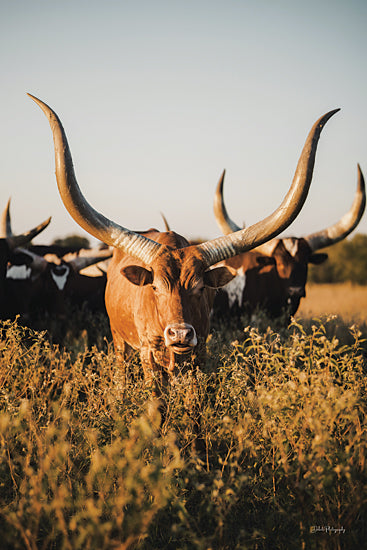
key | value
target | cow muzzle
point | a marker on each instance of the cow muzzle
(180, 337)
(294, 298)
(297, 291)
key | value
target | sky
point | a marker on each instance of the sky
(157, 98)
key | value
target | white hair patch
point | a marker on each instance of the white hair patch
(291, 245)
(20, 272)
(234, 289)
(60, 280)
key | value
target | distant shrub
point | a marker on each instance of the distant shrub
(75, 241)
(347, 262)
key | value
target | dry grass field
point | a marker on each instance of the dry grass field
(345, 300)
(263, 447)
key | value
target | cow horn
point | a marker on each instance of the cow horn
(81, 262)
(16, 241)
(242, 240)
(321, 239)
(166, 224)
(226, 225)
(83, 213)
(5, 223)
(346, 224)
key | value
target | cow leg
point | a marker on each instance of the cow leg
(149, 367)
(193, 410)
(157, 379)
(122, 352)
(193, 405)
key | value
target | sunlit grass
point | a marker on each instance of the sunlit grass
(270, 445)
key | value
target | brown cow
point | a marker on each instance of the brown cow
(277, 284)
(159, 289)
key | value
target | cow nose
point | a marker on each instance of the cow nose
(183, 335)
(298, 291)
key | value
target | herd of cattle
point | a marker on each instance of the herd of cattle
(43, 281)
(160, 291)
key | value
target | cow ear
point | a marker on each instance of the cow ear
(318, 258)
(219, 276)
(137, 275)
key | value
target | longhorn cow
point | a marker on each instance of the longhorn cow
(11, 252)
(273, 277)
(160, 290)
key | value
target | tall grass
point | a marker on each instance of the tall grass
(268, 452)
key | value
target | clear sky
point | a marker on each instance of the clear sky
(158, 97)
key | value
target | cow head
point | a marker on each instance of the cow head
(291, 257)
(173, 277)
(178, 284)
(12, 244)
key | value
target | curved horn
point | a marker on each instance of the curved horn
(226, 225)
(346, 224)
(16, 241)
(5, 223)
(80, 263)
(255, 235)
(83, 213)
(166, 224)
(38, 264)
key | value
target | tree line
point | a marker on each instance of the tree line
(347, 262)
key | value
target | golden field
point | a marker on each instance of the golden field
(263, 447)
(345, 300)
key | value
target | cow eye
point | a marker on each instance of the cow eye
(198, 290)
(154, 288)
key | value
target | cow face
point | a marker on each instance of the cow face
(60, 286)
(179, 291)
(292, 256)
